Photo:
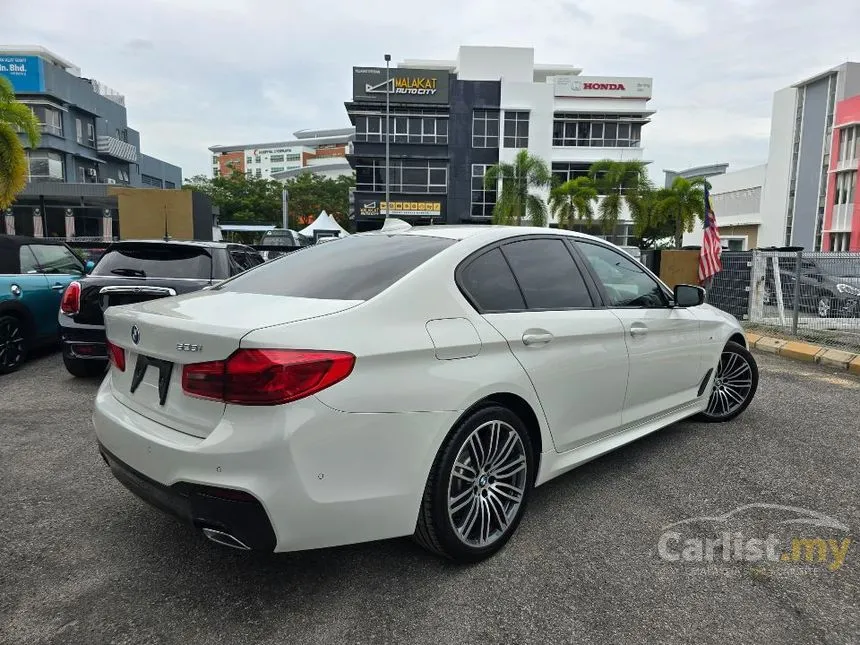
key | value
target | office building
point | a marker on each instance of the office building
(451, 120)
(86, 147)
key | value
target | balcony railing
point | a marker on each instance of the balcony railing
(848, 164)
(114, 147)
(842, 217)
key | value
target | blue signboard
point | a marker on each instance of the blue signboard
(25, 73)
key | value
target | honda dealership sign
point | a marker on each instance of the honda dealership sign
(406, 85)
(603, 87)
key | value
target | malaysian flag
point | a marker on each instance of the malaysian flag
(709, 255)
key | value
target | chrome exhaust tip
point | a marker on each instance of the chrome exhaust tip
(225, 539)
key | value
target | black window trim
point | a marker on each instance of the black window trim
(593, 293)
(574, 243)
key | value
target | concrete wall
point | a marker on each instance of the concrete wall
(809, 165)
(774, 206)
(511, 64)
(162, 170)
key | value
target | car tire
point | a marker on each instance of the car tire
(478, 487)
(734, 387)
(824, 307)
(84, 368)
(13, 343)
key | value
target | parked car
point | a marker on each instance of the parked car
(286, 237)
(33, 274)
(136, 271)
(828, 287)
(416, 383)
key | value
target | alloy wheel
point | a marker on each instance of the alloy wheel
(487, 483)
(733, 385)
(11, 343)
(824, 307)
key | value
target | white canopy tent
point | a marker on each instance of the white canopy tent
(324, 222)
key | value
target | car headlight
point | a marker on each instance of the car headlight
(847, 288)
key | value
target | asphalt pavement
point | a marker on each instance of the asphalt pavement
(84, 561)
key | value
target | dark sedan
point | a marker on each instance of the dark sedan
(135, 271)
(829, 287)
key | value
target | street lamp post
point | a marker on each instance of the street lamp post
(387, 132)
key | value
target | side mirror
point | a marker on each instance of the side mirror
(688, 295)
(89, 266)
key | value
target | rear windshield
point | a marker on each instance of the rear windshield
(278, 240)
(156, 261)
(354, 268)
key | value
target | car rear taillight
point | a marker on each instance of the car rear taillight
(116, 354)
(71, 302)
(266, 376)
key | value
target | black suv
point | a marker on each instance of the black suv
(136, 271)
(830, 288)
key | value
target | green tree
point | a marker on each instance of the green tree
(573, 201)
(649, 224)
(14, 117)
(618, 182)
(681, 205)
(515, 201)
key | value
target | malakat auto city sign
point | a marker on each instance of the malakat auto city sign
(603, 87)
(404, 85)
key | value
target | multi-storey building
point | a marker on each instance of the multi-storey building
(451, 120)
(320, 151)
(842, 208)
(86, 145)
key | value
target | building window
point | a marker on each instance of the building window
(368, 128)
(46, 166)
(215, 159)
(516, 129)
(258, 173)
(50, 119)
(169, 185)
(849, 138)
(79, 131)
(276, 158)
(564, 171)
(485, 129)
(406, 176)
(91, 135)
(294, 157)
(149, 180)
(249, 174)
(257, 159)
(597, 130)
(483, 200)
(277, 169)
(248, 160)
(87, 174)
(840, 242)
(216, 171)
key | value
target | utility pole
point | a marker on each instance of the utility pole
(387, 132)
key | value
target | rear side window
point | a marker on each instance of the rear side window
(489, 282)
(354, 268)
(28, 260)
(156, 260)
(547, 274)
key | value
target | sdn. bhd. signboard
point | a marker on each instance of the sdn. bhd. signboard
(24, 72)
(406, 85)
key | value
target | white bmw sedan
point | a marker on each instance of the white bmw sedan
(415, 383)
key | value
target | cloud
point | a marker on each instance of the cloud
(200, 72)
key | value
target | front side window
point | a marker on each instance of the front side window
(56, 259)
(547, 274)
(354, 268)
(516, 129)
(489, 283)
(626, 284)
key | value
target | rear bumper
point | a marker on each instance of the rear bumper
(321, 477)
(84, 342)
(199, 506)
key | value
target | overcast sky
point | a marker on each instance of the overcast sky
(201, 72)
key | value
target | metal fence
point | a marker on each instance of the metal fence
(812, 296)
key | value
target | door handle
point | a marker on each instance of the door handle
(58, 287)
(638, 329)
(536, 338)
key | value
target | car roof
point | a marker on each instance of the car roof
(16, 241)
(201, 243)
(489, 232)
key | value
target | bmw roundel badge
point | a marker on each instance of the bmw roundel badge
(135, 334)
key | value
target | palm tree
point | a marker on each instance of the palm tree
(682, 204)
(649, 224)
(618, 182)
(14, 116)
(515, 201)
(573, 201)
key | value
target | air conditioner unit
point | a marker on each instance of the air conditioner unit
(110, 181)
(91, 172)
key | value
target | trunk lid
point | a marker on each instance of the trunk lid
(100, 292)
(198, 327)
